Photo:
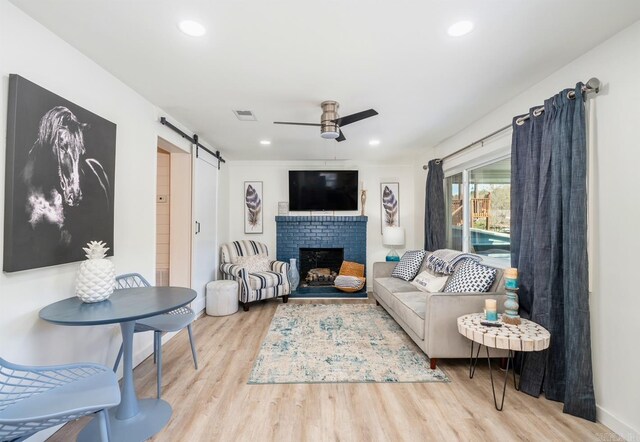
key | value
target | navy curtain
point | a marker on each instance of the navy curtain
(549, 248)
(434, 210)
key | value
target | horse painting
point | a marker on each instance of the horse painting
(59, 147)
(59, 175)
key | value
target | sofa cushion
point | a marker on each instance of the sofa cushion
(263, 280)
(411, 308)
(409, 264)
(394, 285)
(470, 276)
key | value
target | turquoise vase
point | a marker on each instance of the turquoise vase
(511, 305)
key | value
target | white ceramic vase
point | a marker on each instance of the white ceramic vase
(294, 276)
(96, 277)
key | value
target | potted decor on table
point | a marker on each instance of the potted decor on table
(97, 276)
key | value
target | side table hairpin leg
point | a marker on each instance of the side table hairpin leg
(506, 376)
(473, 362)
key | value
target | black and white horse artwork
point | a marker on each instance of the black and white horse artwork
(60, 171)
(59, 147)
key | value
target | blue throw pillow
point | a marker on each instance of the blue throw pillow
(471, 277)
(409, 264)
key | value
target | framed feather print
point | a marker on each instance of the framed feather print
(389, 205)
(253, 207)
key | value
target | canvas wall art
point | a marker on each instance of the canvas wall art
(60, 163)
(253, 203)
(390, 205)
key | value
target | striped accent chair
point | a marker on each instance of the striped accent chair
(254, 286)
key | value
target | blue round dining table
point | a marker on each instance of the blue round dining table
(133, 419)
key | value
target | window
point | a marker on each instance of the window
(479, 221)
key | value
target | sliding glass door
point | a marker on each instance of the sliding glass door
(454, 198)
(489, 208)
(478, 204)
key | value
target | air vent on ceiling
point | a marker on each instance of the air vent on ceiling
(245, 115)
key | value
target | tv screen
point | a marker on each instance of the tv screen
(323, 190)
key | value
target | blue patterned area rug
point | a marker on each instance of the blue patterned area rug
(316, 343)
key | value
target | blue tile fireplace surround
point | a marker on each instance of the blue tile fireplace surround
(323, 232)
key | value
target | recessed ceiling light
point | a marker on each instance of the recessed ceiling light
(192, 28)
(374, 142)
(460, 28)
(265, 142)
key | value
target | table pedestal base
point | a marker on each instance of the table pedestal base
(153, 416)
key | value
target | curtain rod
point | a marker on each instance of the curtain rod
(593, 85)
(193, 139)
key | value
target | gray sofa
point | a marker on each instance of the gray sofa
(430, 318)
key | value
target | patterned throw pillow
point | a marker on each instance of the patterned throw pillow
(254, 263)
(427, 282)
(469, 277)
(409, 264)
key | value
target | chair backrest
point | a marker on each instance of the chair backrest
(20, 382)
(130, 280)
(231, 251)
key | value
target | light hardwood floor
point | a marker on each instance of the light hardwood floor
(216, 404)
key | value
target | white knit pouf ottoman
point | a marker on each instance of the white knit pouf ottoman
(222, 298)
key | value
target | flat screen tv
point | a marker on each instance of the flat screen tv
(327, 190)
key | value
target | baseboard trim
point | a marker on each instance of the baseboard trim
(616, 425)
(198, 305)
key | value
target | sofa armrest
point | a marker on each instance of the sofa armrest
(383, 269)
(441, 328)
(279, 266)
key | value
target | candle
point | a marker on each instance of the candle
(491, 309)
(511, 279)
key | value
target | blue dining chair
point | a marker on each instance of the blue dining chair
(175, 320)
(33, 399)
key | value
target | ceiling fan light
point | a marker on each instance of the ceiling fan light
(330, 135)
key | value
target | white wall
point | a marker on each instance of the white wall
(613, 223)
(30, 50)
(275, 178)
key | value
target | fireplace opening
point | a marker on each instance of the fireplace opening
(320, 266)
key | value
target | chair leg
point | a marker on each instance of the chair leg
(115, 366)
(155, 348)
(193, 346)
(103, 425)
(434, 361)
(245, 307)
(285, 299)
(158, 338)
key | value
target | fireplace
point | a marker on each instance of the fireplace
(320, 266)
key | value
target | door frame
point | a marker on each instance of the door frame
(180, 219)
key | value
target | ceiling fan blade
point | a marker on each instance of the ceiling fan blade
(296, 124)
(343, 121)
(340, 137)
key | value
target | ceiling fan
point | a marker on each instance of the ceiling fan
(331, 122)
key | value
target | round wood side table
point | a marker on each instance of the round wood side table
(526, 337)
